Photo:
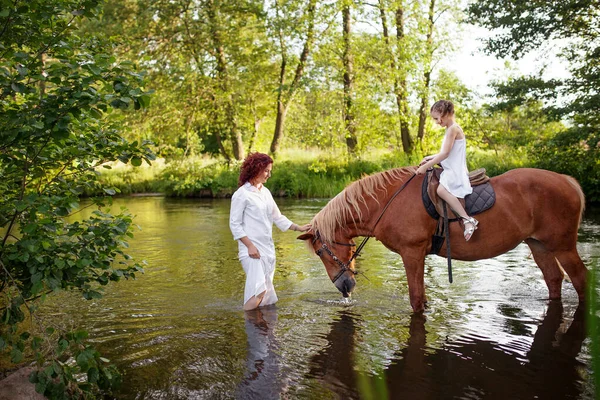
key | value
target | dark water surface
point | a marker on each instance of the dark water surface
(178, 331)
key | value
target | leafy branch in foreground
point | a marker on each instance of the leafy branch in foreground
(56, 91)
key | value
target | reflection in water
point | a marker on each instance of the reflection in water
(473, 368)
(464, 368)
(333, 366)
(262, 379)
(178, 331)
(513, 323)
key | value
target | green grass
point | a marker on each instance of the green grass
(296, 173)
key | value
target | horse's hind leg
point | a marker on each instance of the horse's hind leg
(574, 267)
(546, 261)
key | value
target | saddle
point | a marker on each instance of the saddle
(482, 198)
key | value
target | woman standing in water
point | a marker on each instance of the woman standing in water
(253, 213)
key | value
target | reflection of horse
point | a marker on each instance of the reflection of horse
(334, 365)
(473, 368)
(467, 367)
(542, 208)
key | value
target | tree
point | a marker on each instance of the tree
(524, 26)
(285, 27)
(57, 91)
(209, 62)
(399, 66)
(348, 63)
(428, 69)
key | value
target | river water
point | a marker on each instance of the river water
(178, 331)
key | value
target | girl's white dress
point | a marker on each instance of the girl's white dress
(253, 213)
(455, 176)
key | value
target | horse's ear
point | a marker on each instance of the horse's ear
(305, 236)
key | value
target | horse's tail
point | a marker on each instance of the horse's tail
(573, 182)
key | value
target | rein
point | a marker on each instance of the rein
(346, 266)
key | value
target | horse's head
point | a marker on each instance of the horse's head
(337, 258)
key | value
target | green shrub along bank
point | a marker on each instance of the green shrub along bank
(318, 176)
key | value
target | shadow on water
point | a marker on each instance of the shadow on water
(467, 367)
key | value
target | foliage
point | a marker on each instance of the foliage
(193, 178)
(523, 26)
(296, 174)
(57, 91)
(190, 114)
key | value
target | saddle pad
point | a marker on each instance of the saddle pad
(482, 198)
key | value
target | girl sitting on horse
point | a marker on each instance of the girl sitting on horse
(454, 180)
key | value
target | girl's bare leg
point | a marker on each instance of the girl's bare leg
(456, 206)
(254, 302)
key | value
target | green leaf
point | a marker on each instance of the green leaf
(40, 386)
(136, 161)
(110, 191)
(94, 112)
(23, 71)
(63, 344)
(144, 100)
(16, 355)
(5, 13)
(18, 87)
(93, 375)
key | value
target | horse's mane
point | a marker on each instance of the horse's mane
(347, 203)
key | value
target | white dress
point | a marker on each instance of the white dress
(253, 213)
(455, 176)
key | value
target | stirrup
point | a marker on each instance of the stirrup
(469, 229)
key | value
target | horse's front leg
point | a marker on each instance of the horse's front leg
(414, 265)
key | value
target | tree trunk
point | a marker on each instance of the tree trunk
(257, 122)
(424, 106)
(427, 74)
(223, 84)
(350, 124)
(401, 92)
(284, 99)
(279, 125)
(224, 152)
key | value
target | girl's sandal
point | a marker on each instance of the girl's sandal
(470, 224)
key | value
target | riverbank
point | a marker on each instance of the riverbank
(306, 174)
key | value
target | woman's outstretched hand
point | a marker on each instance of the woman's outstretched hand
(304, 228)
(299, 228)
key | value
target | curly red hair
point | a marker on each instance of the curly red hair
(253, 165)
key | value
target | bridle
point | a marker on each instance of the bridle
(345, 266)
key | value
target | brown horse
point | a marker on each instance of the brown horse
(540, 207)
